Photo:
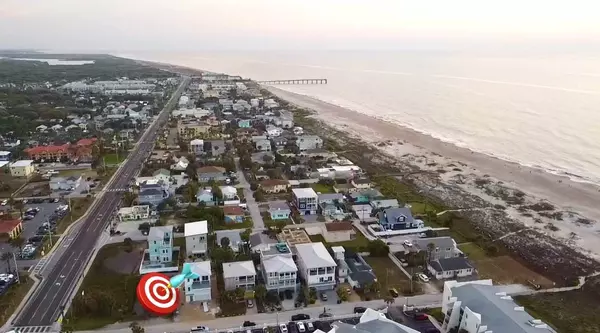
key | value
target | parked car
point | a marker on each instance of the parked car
(323, 296)
(301, 327)
(407, 243)
(248, 324)
(250, 303)
(310, 327)
(421, 316)
(359, 309)
(283, 328)
(199, 329)
(394, 292)
(300, 316)
(423, 277)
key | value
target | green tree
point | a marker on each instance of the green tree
(260, 292)
(136, 328)
(378, 248)
(128, 199)
(245, 235)
(430, 250)
(225, 242)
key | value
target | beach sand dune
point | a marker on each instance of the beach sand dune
(551, 204)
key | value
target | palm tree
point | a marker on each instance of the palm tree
(430, 249)
(7, 257)
(389, 300)
(18, 205)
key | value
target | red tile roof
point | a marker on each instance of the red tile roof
(48, 149)
(86, 142)
(233, 210)
(7, 226)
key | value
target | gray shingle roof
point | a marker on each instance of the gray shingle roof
(497, 314)
(450, 264)
(393, 214)
(439, 242)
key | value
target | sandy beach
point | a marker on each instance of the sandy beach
(574, 207)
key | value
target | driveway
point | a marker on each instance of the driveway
(257, 219)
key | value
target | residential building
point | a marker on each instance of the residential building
(362, 211)
(316, 265)
(162, 175)
(134, 213)
(353, 269)
(278, 267)
(152, 194)
(480, 307)
(234, 237)
(5, 155)
(208, 173)
(198, 290)
(196, 147)
(22, 168)
(217, 147)
(305, 200)
(160, 244)
(365, 196)
(306, 142)
(441, 247)
(274, 185)
(259, 241)
(450, 268)
(196, 238)
(338, 232)
(10, 229)
(65, 183)
(263, 145)
(279, 210)
(397, 219)
(330, 198)
(233, 214)
(361, 183)
(205, 195)
(334, 210)
(239, 274)
(229, 193)
(371, 321)
(384, 203)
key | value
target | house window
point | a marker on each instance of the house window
(204, 278)
(313, 272)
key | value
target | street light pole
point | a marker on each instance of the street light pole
(16, 267)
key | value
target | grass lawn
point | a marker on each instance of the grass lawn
(13, 297)
(78, 172)
(473, 251)
(322, 188)
(570, 311)
(78, 208)
(231, 226)
(112, 159)
(390, 276)
(9, 184)
(108, 289)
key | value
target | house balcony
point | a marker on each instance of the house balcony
(149, 266)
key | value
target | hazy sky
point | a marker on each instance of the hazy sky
(135, 25)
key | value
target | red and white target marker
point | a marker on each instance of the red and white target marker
(155, 296)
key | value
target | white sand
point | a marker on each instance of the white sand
(575, 200)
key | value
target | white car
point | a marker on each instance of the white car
(4, 202)
(199, 329)
(310, 326)
(407, 243)
(283, 328)
(301, 327)
(423, 277)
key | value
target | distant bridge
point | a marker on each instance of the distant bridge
(295, 81)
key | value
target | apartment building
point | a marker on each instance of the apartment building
(188, 129)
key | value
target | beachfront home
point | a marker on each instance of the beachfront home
(450, 268)
(436, 247)
(478, 306)
(352, 268)
(384, 203)
(306, 142)
(239, 274)
(397, 219)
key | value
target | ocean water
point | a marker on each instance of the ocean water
(540, 110)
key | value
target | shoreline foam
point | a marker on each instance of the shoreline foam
(577, 202)
(588, 179)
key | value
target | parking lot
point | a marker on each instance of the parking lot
(32, 228)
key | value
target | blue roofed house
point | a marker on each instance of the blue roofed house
(365, 196)
(244, 123)
(153, 194)
(205, 195)
(279, 210)
(398, 219)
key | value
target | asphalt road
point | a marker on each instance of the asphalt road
(43, 307)
(258, 222)
(30, 227)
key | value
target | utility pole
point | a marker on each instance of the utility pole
(70, 210)
(16, 267)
